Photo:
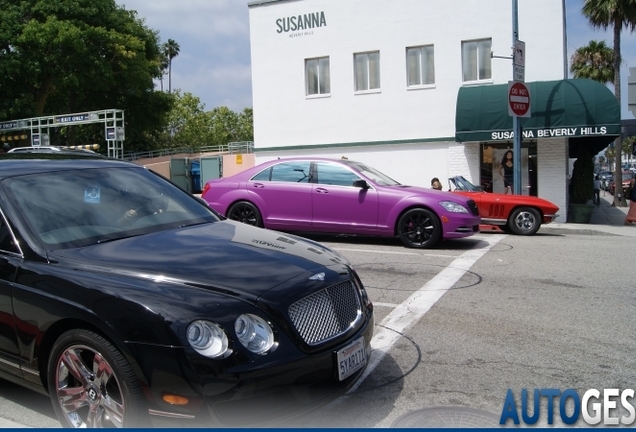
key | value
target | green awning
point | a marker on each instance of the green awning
(580, 109)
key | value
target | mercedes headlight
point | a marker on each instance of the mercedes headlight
(453, 207)
(254, 333)
(207, 338)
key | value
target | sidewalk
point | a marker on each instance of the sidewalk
(605, 220)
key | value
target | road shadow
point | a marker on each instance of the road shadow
(373, 401)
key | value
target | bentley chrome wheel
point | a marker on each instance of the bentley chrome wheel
(87, 389)
(91, 384)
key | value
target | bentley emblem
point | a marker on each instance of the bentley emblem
(318, 276)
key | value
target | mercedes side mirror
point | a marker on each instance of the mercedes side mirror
(362, 184)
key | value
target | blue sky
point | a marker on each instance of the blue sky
(214, 62)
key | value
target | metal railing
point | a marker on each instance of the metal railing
(229, 148)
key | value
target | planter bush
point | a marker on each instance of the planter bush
(582, 189)
(582, 182)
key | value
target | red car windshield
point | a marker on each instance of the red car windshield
(460, 183)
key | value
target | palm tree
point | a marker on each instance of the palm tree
(164, 63)
(170, 50)
(616, 14)
(594, 61)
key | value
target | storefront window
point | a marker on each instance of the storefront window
(497, 168)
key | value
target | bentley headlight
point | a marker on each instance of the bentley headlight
(254, 333)
(453, 207)
(207, 338)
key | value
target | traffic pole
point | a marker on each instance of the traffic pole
(516, 124)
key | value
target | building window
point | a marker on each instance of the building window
(476, 60)
(420, 66)
(317, 76)
(367, 70)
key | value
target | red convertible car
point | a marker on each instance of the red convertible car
(516, 214)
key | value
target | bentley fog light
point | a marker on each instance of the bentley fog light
(453, 207)
(207, 338)
(254, 333)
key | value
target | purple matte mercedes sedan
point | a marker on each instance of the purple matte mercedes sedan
(341, 196)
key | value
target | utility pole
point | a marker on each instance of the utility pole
(516, 124)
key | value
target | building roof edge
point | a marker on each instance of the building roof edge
(267, 2)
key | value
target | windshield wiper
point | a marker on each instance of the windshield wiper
(106, 240)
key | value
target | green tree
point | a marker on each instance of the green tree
(245, 129)
(601, 160)
(170, 50)
(229, 126)
(610, 153)
(594, 61)
(82, 55)
(163, 66)
(615, 14)
(191, 126)
(188, 123)
(627, 145)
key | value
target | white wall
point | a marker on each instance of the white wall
(413, 164)
(284, 116)
(552, 156)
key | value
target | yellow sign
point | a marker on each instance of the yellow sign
(239, 159)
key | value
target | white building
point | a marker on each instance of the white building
(410, 87)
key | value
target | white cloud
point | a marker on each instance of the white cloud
(213, 36)
(198, 18)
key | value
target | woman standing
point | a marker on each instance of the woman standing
(506, 171)
(631, 195)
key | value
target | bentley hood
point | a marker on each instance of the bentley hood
(224, 256)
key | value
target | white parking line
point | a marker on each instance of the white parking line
(385, 252)
(414, 308)
(375, 251)
(391, 305)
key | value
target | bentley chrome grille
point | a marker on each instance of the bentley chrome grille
(326, 314)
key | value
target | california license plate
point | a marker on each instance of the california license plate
(351, 358)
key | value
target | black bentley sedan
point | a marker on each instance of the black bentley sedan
(131, 303)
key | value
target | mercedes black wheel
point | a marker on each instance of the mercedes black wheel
(419, 228)
(245, 212)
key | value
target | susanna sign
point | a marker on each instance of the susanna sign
(299, 23)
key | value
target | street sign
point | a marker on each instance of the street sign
(519, 55)
(519, 73)
(518, 99)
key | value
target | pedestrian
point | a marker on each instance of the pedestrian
(597, 190)
(436, 184)
(631, 195)
(506, 171)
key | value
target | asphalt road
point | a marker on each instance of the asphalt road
(459, 325)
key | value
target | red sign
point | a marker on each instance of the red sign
(518, 99)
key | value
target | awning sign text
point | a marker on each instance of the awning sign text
(552, 133)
